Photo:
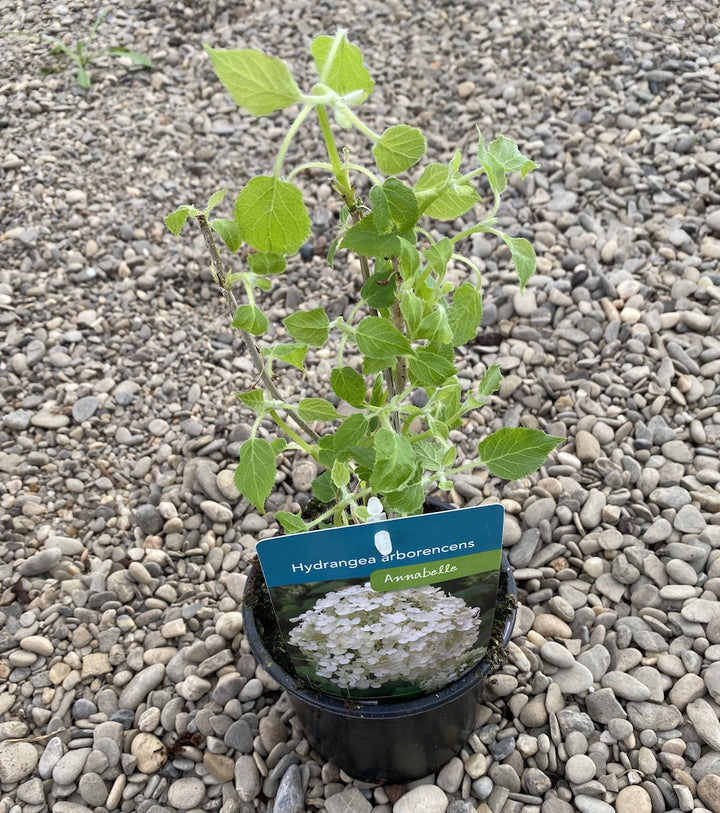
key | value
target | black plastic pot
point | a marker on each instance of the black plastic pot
(387, 741)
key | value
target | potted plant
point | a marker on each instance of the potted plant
(381, 439)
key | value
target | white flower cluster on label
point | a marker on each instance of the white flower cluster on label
(362, 639)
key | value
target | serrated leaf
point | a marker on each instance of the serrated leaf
(412, 309)
(378, 339)
(278, 446)
(346, 72)
(348, 384)
(429, 370)
(490, 382)
(430, 454)
(402, 204)
(310, 328)
(514, 452)
(215, 200)
(494, 170)
(379, 290)
(261, 84)
(291, 523)
(326, 455)
(290, 353)
(352, 431)
(255, 399)
(370, 240)
(399, 148)
(324, 489)
(177, 219)
(264, 262)
(507, 153)
(438, 255)
(272, 216)
(523, 257)
(447, 398)
(465, 313)
(380, 209)
(435, 326)
(229, 232)
(255, 473)
(250, 319)
(340, 474)
(406, 501)
(443, 194)
(377, 393)
(395, 461)
(317, 409)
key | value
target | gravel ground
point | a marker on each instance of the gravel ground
(125, 681)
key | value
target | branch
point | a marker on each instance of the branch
(220, 276)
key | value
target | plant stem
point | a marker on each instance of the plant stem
(220, 275)
(339, 171)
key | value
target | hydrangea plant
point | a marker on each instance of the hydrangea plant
(409, 314)
(359, 638)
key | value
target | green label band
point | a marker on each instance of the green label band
(418, 575)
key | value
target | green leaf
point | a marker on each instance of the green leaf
(176, 220)
(430, 454)
(317, 409)
(399, 148)
(267, 263)
(291, 523)
(352, 431)
(523, 257)
(346, 72)
(501, 157)
(447, 399)
(402, 204)
(215, 200)
(505, 151)
(255, 399)
(465, 313)
(490, 381)
(83, 78)
(435, 326)
(442, 193)
(515, 452)
(340, 474)
(309, 327)
(378, 339)
(259, 83)
(369, 240)
(255, 473)
(380, 209)
(272, 216)
(406, 501)
(428, 369)
(278, 446)
(134, 56)
(324, 489)
(348, 384)
(290, 353)
(251, 319)
(229, 232)
(395, 461)
(438, 255)
(412, 310)
(377, 394)
(379, 290)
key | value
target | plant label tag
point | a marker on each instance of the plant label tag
(395, 608)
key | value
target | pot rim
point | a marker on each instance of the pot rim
(378, 708)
